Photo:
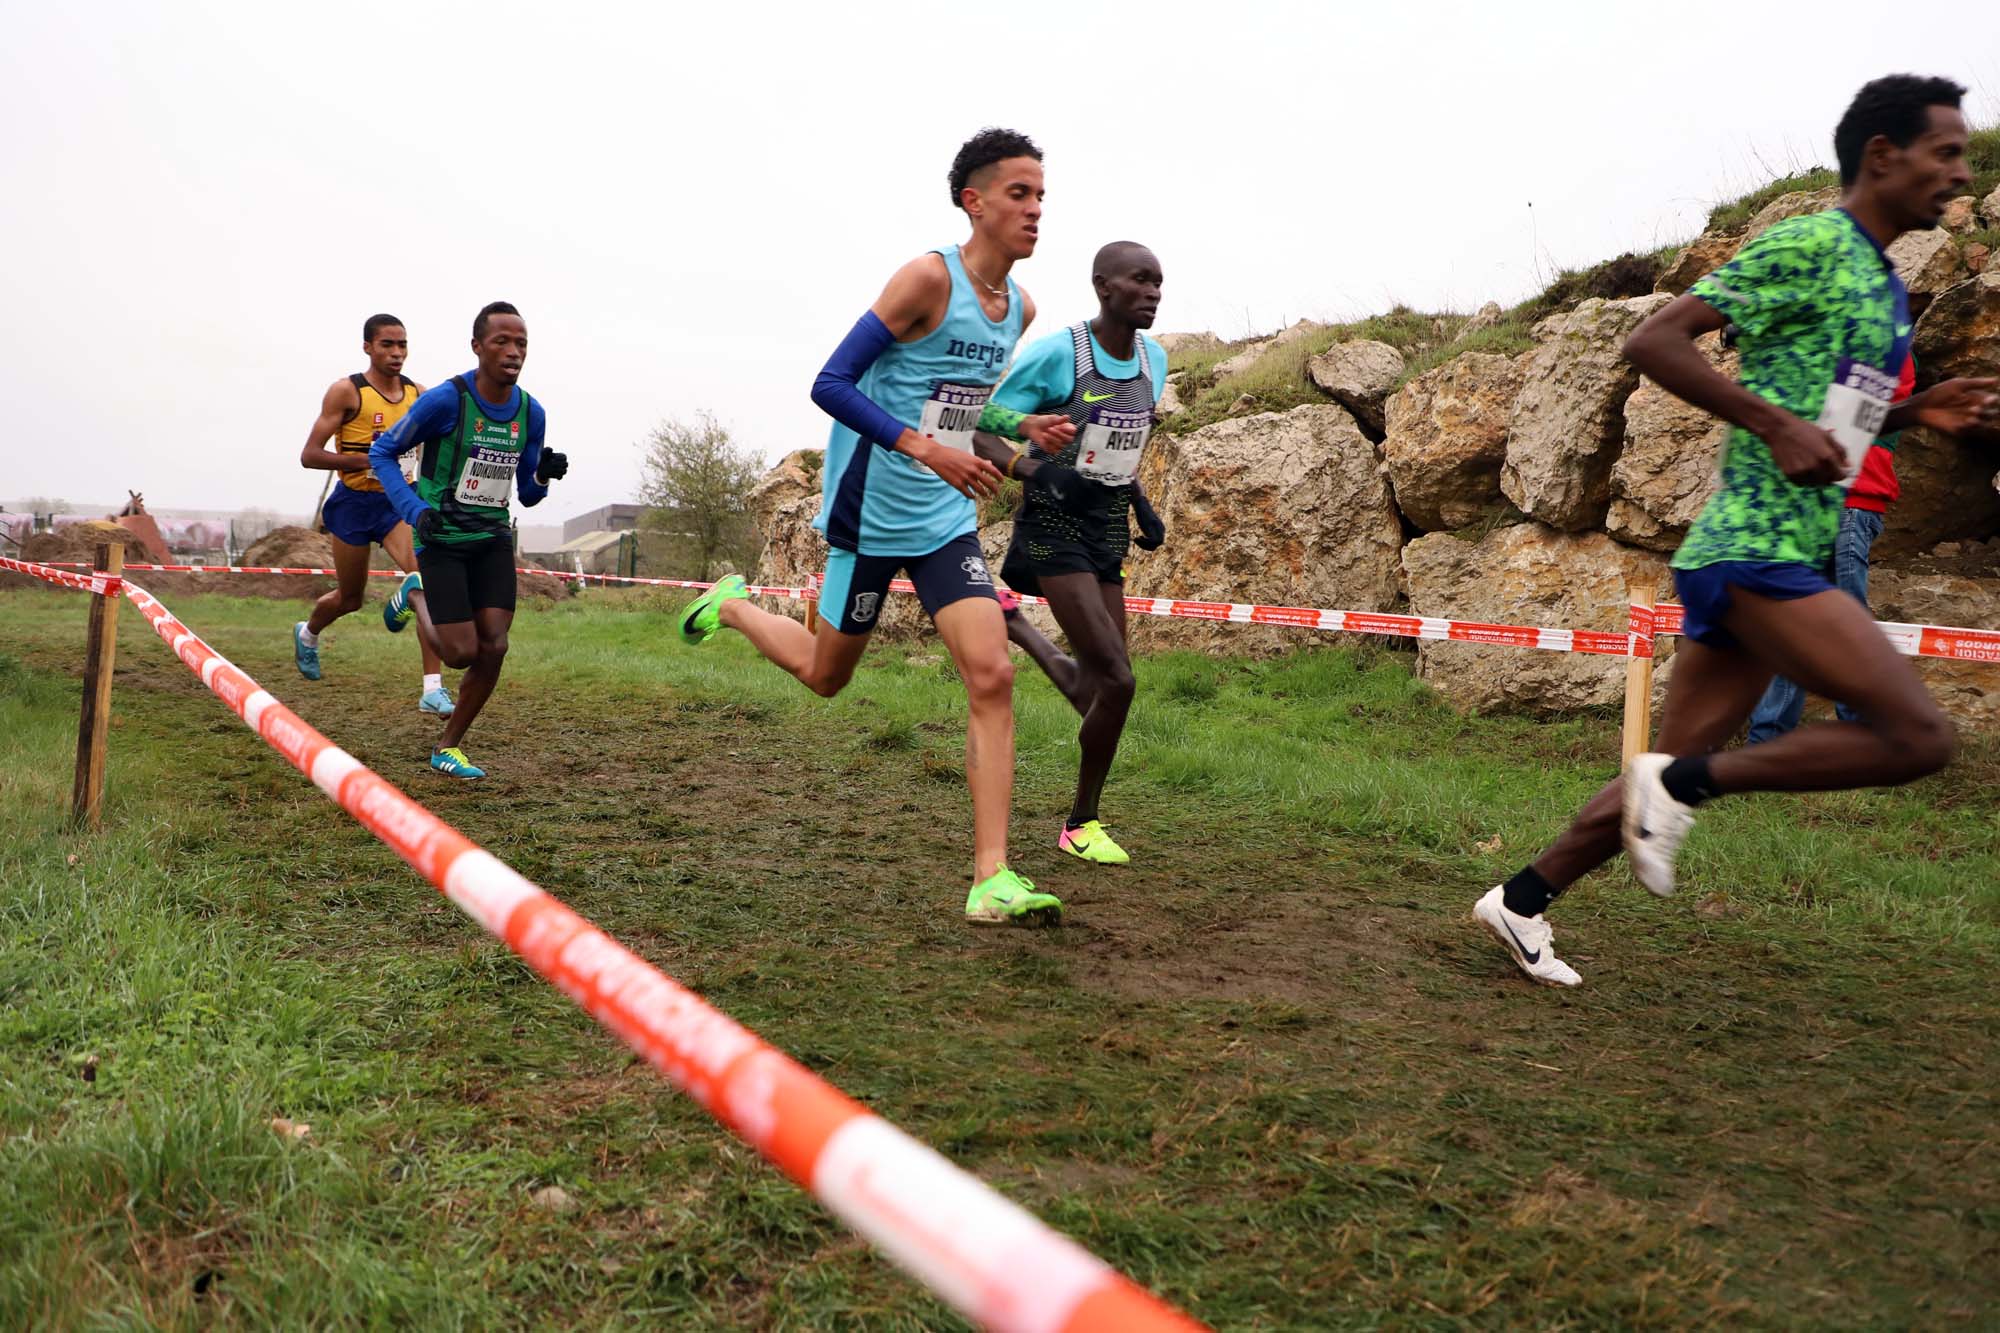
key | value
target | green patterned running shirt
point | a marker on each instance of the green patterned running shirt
(1809, 297)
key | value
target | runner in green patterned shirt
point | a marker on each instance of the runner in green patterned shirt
(1824, 327)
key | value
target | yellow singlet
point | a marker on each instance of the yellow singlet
(376, 416)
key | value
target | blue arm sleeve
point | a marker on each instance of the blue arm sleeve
(532, 491)
(837, 393)
(422, 423)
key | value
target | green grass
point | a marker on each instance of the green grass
(1736, 212)
(1270, 1069)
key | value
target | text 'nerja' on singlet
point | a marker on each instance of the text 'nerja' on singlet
(1113, 419)
(468, 475)
(376, 415)
(875, 501)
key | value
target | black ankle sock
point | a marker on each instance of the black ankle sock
(1527, 894)
(1687, 780)
(1072, 825)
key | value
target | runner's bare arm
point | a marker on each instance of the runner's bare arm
(1663, 348)
(1955, 406)
(335, 410)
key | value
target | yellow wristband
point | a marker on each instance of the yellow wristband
(1015, 458)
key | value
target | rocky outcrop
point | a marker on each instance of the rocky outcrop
(1288, 508)
(1528, 574)
(1668, 467)
(1446, 437)
(1928, 262)
(1486, 317)
(1176, 343)
(1969, 691)
(1947, 495)
(1792, 205)
(1170, 400)
(1961, 215)
(1960, 331)
(1702, 256)
(1358, 375)
(1568, 425)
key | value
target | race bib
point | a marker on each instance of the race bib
(951, 413)
(1107, 451)
(1857, 407)
(488, 477)
(409, 462)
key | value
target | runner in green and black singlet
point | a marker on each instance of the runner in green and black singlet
(481, 440)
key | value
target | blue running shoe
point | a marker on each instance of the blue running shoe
(307, 658)
(436, 701)
(396, 612)
(451, 761)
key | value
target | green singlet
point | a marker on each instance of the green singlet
(1816, 304)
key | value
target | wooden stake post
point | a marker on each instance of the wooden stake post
(92, 730)
(1639, 673)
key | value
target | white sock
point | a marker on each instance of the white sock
(306, 636)
(433, 682)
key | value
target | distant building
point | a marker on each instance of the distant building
(605, 518)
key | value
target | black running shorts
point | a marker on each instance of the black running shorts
(459, 580)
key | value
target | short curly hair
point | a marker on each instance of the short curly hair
(981, 151)
(1896, 107)
(486, 313)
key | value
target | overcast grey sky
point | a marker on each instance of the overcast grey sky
(692, 204)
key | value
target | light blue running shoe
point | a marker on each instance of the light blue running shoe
(307, 658)
(451, 761)
(396, 612)
(436, 701)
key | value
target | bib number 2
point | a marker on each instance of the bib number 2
(1108, 450)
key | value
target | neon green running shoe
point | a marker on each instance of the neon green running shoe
(1089, 842)
(704, 614)
(1005, 896)
(452, 762)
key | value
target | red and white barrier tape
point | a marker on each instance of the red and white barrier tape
(990, 1259)
(103, 584)
(1944, 641)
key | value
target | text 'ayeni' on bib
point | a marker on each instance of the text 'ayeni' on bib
(1110, 444)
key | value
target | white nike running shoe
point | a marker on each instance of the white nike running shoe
(1655, 824)
(1528, 938)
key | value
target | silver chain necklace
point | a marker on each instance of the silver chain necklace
(996, 291)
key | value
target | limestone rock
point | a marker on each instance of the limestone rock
(1241, 361)
(1703, 255)
(1927, 261)
(1170, 400)
(1976, 255)
(1303, 328)
(1796, 204)
(1969, 691)
(1175, 343)
(1527, 574)
(783, 504)
(1244, 405)
(1959, 333)
(1668, 467)
(1287, 508)
(1486, 317)
(1989, 208)
(1961, 215)
(1567, 426)
(1947, 493)
(1447, 437)
(1358, 375)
